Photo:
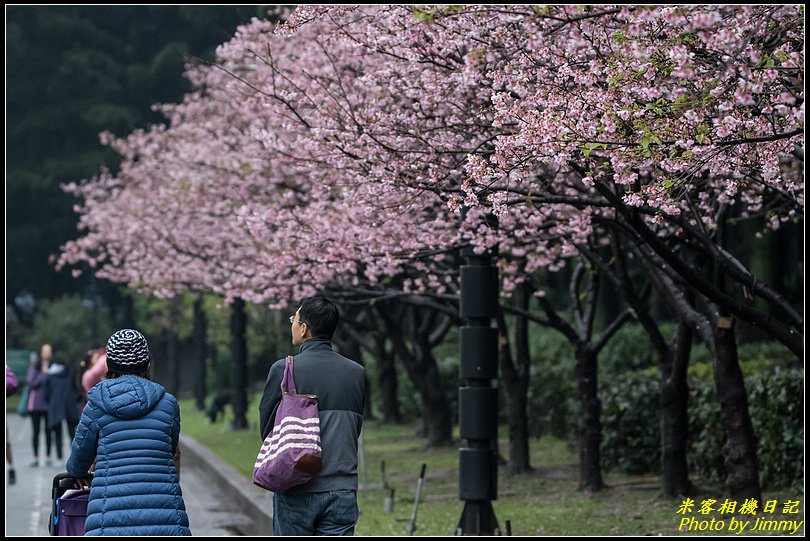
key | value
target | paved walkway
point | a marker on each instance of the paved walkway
(28, 502)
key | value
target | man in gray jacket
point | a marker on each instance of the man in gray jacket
(327, 504)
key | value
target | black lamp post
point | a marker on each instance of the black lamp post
(478, 399)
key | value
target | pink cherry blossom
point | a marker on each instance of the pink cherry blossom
(354, 144)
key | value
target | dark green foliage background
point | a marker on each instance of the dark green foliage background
(71, 73)
(631, 417)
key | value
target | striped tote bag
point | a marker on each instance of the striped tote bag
(291, 453)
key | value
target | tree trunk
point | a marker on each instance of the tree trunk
(590, 424)
(239, 364)
(742, 467)
(674, 414)
(673, 361)
(421, 368)
(436, 414)
(200, 334)
(741, 462)
(516, 382)
(586, 353)
(387, 373)
(516, 403)
(171, 349)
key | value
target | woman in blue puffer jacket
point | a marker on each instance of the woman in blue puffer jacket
(131, 428)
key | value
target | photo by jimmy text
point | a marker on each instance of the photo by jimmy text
(740, 519)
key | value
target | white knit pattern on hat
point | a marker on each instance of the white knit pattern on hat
(127, 349)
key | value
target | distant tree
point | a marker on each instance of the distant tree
(62, 323)
(71, 73)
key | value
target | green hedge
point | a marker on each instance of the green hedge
(631, 430)
(630, 423)
(552, 400)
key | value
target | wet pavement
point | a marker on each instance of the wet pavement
(28, 502)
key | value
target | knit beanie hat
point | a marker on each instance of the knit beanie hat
(127, 352)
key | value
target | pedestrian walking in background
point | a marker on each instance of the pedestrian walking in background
(327, 504)
(63, 399)
(37, 405)
(131, 428)
(11, 387)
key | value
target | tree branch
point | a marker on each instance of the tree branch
(612, 329)
(792, 338)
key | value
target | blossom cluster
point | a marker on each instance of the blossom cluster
(356, 144)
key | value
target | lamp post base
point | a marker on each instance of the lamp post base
(478, 518)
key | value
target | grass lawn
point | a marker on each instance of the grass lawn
(545, 502)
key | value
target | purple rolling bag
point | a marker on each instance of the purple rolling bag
(69, 507)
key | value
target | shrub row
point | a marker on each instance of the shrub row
(631, 429)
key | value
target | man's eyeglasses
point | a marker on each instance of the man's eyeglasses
(292, 320)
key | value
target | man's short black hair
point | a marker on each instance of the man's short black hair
(321, 315)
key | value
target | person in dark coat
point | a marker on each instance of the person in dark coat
(62, 396)
(131, 428)
(37, 405)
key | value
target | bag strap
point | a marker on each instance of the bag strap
(288, 381)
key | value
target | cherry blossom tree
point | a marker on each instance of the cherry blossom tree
(344, 135)
(669, 123)
(286, 244)
(340, 147)
(684, 120)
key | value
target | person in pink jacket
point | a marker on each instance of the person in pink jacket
(96, 371)
(92, 369)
